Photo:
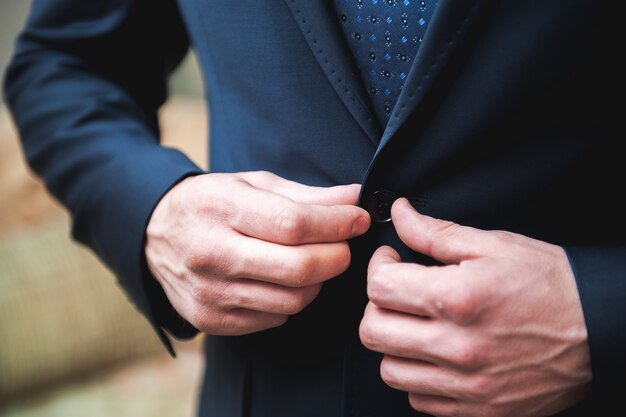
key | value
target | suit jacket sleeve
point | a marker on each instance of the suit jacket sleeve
(84, 86)
(599, 273)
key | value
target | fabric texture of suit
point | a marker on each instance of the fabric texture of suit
(502, 124)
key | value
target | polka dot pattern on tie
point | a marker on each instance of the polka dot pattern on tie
(384, 36)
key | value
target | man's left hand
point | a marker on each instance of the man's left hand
(498, 330)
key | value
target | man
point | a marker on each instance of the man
(448, 228)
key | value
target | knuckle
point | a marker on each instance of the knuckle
(297, 270)
(199, 291)
(344, 256)
(262, 174)
(294, 303)
(261, 178)
(278, 320)
(195, 257)
(491, 411)
(414, 402)
(369, 333)
(375, 291)
(342, 220)
(220, 259)
(467, 356)
(506, 239)
(305, 269)
(482, 389)
(445, 231)
(225, 182)
(289, 224)
(388, 373)
(203, 320)
(207, 293)
(227, 324)
(286, 272)
(267, 176)
(208, 258)
(258, 323)
(378, 284)
(462, 305)
(446, 228)
(235, 298)
(195, 318)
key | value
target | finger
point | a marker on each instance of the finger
(290, 266)
(404, 287)
(443, 240)
(269, 298)
(456, 293)
(420, 377)
(435, 405)
(275, 218)
(384, 255)
(301, 193)
(412, 337)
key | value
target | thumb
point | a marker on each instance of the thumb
(442, 240)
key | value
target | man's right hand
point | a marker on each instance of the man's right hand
(239, 253)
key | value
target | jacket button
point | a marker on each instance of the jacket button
(378, 205)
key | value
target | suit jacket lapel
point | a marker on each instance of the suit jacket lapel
(447, 28)
(449, 24)
(319, 25)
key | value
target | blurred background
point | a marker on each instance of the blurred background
(70, 342)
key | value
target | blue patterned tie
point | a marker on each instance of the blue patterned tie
(384, 36)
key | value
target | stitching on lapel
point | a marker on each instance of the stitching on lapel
(367, 117)
(433, 65)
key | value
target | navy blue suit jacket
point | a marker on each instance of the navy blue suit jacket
(502, 124)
